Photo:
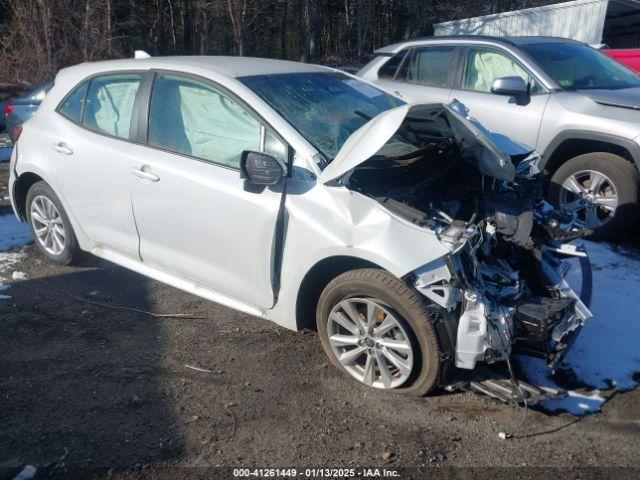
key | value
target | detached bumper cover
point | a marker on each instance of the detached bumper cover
(565, 333)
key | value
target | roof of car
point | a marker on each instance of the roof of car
(230, 66)
(514, 41)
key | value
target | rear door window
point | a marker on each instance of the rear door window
(431, 66)
(109, 103)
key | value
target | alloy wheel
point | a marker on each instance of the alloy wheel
(591, 196)
(48, 225)
(370, 343)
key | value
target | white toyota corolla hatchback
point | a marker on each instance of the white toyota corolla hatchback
(311, 198)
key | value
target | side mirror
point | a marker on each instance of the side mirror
(510, 86)
(260, 169)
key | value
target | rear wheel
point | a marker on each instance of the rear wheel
(601, 189)
(50, 225)
(376, 329)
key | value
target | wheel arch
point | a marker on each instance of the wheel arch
(316, 279)
(572, 143)
(21, 188)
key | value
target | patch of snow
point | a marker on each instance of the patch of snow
(27, 473)
(5, 154)
(13, 234)
(7, 259)
(606, 354)
(577, 403)
(18, 275)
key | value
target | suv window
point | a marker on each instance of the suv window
(72, 106)
(388, 70)
(430, 66)
(482, 65)
(194, 118)
(109, 103)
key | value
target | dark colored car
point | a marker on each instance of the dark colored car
(19, 110)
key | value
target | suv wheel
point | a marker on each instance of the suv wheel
(375, 328)
(50, 225)
(601, 189)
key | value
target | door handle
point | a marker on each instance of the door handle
(62, 147)
(145, 175)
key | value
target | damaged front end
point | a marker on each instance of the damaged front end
(511, 284)
(506, 285)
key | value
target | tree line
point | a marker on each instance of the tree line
(39, 37)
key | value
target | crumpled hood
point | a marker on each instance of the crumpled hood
(369, 139)
(623, 98)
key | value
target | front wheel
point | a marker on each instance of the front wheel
(376, 329)
(601, 189)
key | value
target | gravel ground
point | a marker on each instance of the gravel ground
(113, 389)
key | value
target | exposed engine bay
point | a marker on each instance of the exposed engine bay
(503, 286)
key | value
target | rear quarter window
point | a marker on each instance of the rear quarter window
(72, 106)
(389, 69)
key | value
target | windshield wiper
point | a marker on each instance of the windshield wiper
(363, 115)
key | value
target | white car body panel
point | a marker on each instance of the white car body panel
(96, 191)
(352, 225)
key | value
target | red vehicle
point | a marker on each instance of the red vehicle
(630, 57)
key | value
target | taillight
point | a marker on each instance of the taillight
(7, 110)
(16, 133)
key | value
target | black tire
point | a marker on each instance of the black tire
(71, 252)
(625, 179)
(416, 316)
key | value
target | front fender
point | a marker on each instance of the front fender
(327, 222)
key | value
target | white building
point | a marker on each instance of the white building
(614, 22)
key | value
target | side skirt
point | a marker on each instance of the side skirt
(178, 282)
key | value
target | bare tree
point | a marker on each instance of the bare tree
(310, 21)
(242, 14)
(364, 23)
(38, 37)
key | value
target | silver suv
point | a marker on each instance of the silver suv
(573, 104)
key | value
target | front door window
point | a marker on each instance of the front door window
(483, 65)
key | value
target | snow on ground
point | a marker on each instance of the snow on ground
(606, 354)
(5, 154)
(17, 275)
(13, 234)
(5, 148)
